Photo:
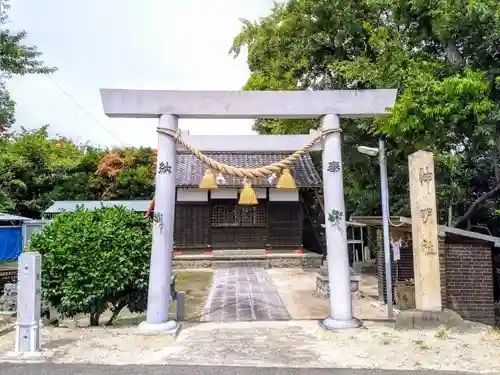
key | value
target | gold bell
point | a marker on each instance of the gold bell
(208, 181)
(248, 196)
(286, 180)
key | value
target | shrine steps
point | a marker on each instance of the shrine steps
(251, 258)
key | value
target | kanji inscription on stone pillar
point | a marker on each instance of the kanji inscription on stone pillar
(424, 231)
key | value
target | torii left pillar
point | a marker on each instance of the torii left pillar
(160, 274)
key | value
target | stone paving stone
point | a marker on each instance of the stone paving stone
(243, 294)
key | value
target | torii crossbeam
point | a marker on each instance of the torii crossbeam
(169, 106)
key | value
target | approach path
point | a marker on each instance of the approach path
(243, 294)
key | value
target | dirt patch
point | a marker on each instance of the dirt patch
(95, 345)
(296, 288)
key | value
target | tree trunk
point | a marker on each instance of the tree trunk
(490, 194)
(94, 319)
(116, 311)
(476, 204)
(452, 53)
(496, 157)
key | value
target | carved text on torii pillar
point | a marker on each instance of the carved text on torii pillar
(425, 177)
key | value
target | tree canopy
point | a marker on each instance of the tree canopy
(16, 58)
(36, 169)
(440, 55)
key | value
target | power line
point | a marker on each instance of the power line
(4, 7)
(86, 112)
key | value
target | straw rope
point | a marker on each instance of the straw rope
(249, 173)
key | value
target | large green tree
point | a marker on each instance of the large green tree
(33, 166)
(441, 55)
(36, 170)
(16, 58)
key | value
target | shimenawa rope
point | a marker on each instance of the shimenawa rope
(249, 173)
(247, 195)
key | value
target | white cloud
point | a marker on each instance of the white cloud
(156, 44)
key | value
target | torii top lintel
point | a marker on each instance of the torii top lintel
(246, 104)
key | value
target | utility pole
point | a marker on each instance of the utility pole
(384, 198)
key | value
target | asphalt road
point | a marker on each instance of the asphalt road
(77, 369)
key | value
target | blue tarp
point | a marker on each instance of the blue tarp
(11, 240)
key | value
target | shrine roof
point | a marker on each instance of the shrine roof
(190, 170)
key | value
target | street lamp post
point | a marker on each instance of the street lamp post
(384, 196)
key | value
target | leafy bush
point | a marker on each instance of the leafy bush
(95, 260)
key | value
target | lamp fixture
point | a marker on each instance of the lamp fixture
(370, 151)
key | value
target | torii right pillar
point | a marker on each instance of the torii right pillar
(427, 271)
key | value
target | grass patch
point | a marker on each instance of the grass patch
(441, 333)
(496, 332)
(196, 286)
(421, 344)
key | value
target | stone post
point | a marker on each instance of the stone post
(28, 325)
(341, 316)
(424, 231)
(159, 298)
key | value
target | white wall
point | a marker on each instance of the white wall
(201, 195)
(192, 195)
(277, 195)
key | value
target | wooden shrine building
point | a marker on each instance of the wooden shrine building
(213, 219)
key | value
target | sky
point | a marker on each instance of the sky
(134, 44)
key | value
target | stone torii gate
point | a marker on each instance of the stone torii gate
(169, 106)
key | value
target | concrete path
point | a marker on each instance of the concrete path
(243, 294)
(87, 369)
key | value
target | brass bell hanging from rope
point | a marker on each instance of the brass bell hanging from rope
(208, 181)
(247, 195)
(286, 180)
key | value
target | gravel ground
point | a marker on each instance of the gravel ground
(290, 344)
(75, 369)
(297, 343)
